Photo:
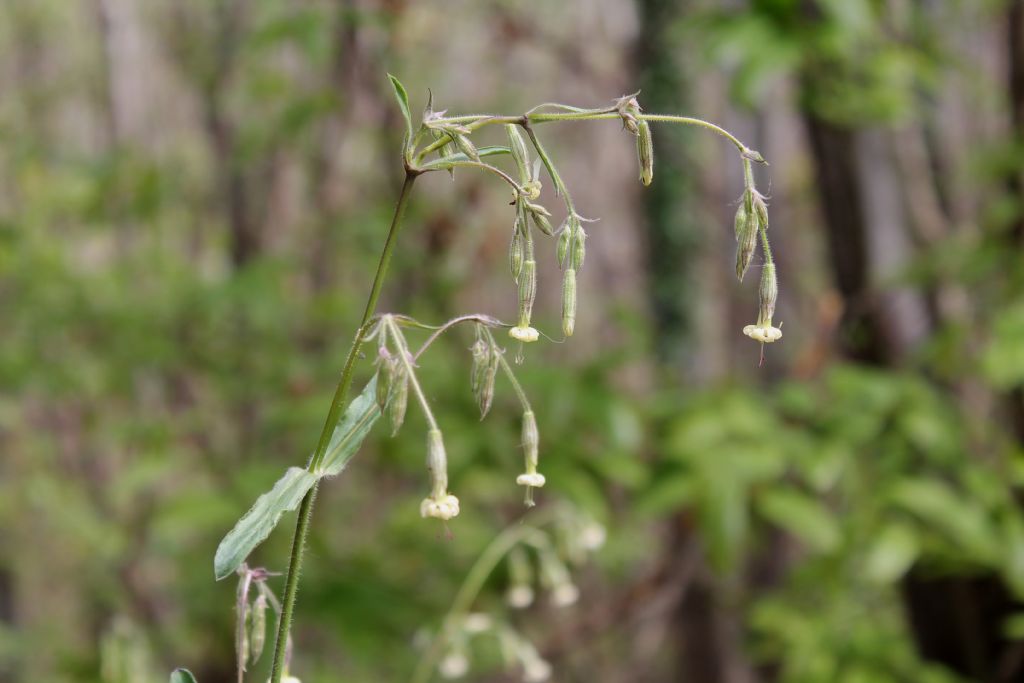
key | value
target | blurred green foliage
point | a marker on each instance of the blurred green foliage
(152, 388)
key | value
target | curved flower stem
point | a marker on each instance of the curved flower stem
(441, 329)
(306, 508)
(442, 165)
(480, 120)
(475, 579)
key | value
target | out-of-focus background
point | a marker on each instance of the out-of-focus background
(192, 197)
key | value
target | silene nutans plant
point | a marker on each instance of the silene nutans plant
(537, 555)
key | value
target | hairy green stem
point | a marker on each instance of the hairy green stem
(306, 508)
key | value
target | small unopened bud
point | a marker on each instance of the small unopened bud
(520, 154)
(515, 253)
(485, 397)
(467, 147)
(540, 218)
(527, 291)
(628, 108)
(563, 244)
(569, 302)
(645, 152)
(768, 293)
(760, 209)
(258, 628)
(746, 239)
(481, 354)
(579, 249)
(399, 397)
(385, 377)
(537, 208)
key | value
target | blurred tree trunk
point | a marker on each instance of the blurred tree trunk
(707, 644)
(954, 620)
(1015, 87)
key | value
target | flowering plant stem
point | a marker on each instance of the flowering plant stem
(448, 130)
(474, 581)
(337, 403)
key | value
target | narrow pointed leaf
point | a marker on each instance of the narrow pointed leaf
(352, 428)
(254, 527)
(403, 103)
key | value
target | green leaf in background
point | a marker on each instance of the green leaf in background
(802, 516)
(403, 103)
(353, 427)
(254, 527)
(891, 554)
(182, 676)
(953, 514)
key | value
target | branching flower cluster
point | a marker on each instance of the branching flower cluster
(439, 142)
(538, 557)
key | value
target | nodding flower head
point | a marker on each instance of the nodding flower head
(766, 334)
(524, 333)
(443, 508)
(768, 292)
(439, 504)
(531, 478)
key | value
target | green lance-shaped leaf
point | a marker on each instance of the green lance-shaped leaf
(403, 103)
(353, 427)
(254, 527)
(182, 676)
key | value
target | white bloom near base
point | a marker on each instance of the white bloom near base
(454, 665)
(519, 597)
(535, 479)
(593, 536)
(766, 334)
(564, 594)
(443, 508)
(536, 670)
(524, 334)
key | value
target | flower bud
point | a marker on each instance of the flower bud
(768, 293)
(760, 209)
(399, 397)
(579, 249)
(515, 253)
(645, 152)
(540, 218)
(746, 239)
(385, 376)
(569, 302)
(527, 291)
(563, 244)
(485, 396)
(467, 147)
(258, 629)
(481, 354)
(520, 153)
